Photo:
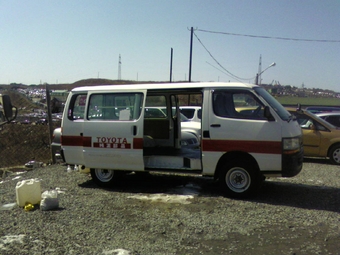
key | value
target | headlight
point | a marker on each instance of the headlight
(291, 145)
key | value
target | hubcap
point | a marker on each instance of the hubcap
(336, 155)
(238, 179)
(104, 175)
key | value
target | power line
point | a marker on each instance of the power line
(229, 73)
(222, 71)
(270, 37)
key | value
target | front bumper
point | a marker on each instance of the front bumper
(292, 163)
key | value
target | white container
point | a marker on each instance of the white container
(28, 191)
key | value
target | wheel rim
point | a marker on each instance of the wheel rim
(336, 155)
(238, 179)
(104, 175)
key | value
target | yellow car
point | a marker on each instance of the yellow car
(320, 138)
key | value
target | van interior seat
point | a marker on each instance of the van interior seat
(157, 128)
(148, 141)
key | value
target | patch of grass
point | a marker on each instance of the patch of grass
(304, 101)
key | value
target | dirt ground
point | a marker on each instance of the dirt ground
(172, 214)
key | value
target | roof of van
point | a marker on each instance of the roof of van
(186, 85)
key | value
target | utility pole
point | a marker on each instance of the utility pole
(190, 61)
(119, 68)
(171, 55)
(49, 119)
(258, 77)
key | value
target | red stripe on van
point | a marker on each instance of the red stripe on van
(86, 141)
(76, 141)
(138, 143)
(268, 147)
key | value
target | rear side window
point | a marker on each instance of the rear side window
(335, 120)
(237, 104)
(189, 113)
(115, 106)
(77, 107)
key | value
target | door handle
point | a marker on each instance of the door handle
(215, 125)
(134, 130)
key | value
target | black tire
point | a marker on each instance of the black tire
(334, 154)
(105, 177)
(239, 180)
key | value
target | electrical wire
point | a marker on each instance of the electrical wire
(269, 37)
(228, 73)
(222, 71)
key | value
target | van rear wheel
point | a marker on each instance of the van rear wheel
(103, 177)
(239, 180)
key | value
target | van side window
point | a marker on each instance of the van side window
(77, 107)
(237, 104)
(189, 113)
(115, 106)
(155, 107)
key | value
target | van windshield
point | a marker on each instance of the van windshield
(277, 107)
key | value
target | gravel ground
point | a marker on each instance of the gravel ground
(171, 214)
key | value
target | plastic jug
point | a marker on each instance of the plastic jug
(28, 191)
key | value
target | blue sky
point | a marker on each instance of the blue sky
(65, 41)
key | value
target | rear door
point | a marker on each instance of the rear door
(113, 130)
(72, 128)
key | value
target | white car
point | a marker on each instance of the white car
(193, 113)
(187, 125)
(192, 127)
(191, 117)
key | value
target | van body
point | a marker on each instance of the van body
(246, 135)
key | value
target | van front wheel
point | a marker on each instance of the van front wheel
(103, 177)
(239, 180)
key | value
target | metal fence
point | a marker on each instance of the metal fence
(28, 137)
(21, 143)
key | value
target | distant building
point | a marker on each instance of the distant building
(60, 94)
(58, 100)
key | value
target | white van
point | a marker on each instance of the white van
(246, 135)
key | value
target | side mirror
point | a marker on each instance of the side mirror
(2, 117)
(7, 105)
(267, 114)
(5, 100)
(298, 108)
